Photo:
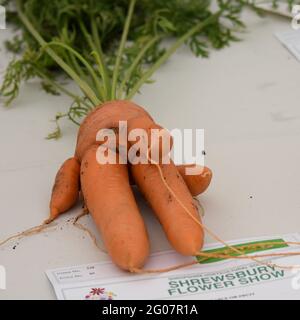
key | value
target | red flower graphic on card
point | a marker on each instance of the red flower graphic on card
(97, 291)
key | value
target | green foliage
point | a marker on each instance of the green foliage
(81, 39)
(17, 71)
(15, 45)
(50, 88)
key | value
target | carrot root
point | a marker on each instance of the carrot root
(80, 226)
(185, 236)
(29, 232)
(65, 192)
(110, 201)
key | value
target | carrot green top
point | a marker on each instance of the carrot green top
(109, 48)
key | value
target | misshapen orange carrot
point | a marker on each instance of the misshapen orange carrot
(183, 233)
(108, 195)
(109, 198)
(65, 191)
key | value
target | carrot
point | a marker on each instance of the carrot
(65, 191)
(198, 183)
(105, 116)
(108, 195)
(109, 198)
(183, 233)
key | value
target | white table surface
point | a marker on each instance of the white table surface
(246, 97)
